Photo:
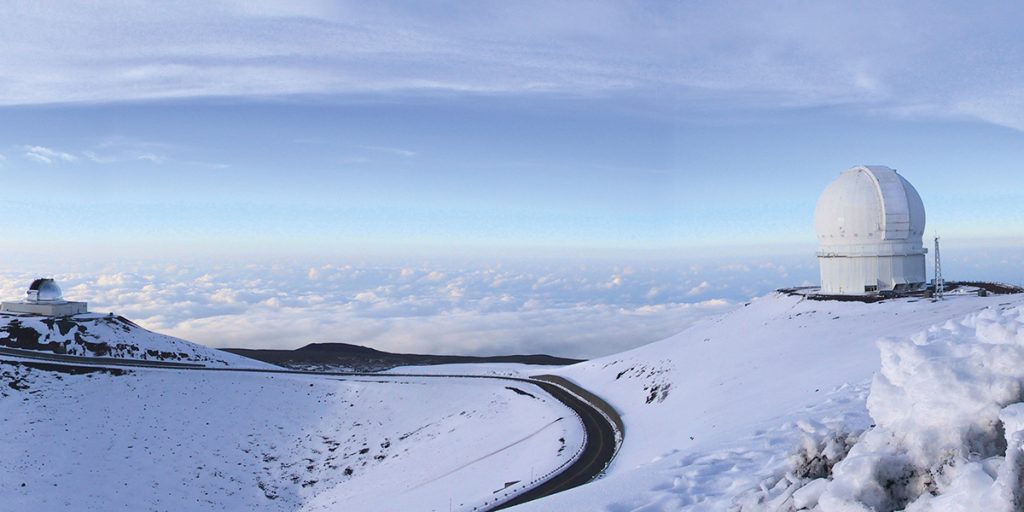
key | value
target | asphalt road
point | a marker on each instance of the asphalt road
(600, 446)
(599, 451)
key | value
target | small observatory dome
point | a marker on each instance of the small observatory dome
(870, 222)
(44, 290)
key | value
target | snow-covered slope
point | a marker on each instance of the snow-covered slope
(191, 440)
(763, 408)
(736, 401)
(94, 335)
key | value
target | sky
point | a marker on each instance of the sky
(469, 139)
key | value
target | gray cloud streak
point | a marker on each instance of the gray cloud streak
(915, 59)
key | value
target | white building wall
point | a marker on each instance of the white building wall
(63, 308)
(846, 275)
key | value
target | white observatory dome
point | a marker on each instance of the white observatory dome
(44, 290)
(44, 298)
(870, 223)
(869, 203)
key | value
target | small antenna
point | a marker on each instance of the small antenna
(940, 284)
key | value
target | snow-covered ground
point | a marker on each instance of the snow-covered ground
(741, 410)
(948, 406)
(155, 439)
(96, 335)
(783, 404)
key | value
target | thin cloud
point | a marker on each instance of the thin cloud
(123, 157)
(46, 155)
(394, 151)
(206, 165)
(699, 289)
(118, 149)
(915, 58)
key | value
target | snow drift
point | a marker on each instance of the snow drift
(949, 422)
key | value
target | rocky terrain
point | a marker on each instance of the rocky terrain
(107, 336)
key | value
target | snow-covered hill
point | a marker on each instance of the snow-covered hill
(718, 415)
(191, 440)
(95, 335)
(779, 405)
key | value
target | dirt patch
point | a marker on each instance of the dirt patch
(519, 391)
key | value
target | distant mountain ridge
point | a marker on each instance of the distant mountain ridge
(346, 356)
(338, 348)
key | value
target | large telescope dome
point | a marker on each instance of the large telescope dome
(44, 290)
(869, 203)
(870, 222)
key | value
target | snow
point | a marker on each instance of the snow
(191, 440)
(742, 410)
(949, 418)
(95, 335)
(783, 404)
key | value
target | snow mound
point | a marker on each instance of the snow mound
(742, 410)
(949, 422)
(107, 336)
(776, 354)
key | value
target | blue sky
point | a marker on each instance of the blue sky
(215, 177)
(616, 134)
(322, 127)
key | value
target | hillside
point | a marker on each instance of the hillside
(784, 404)
(718, 415)
(198, 440)
(108, 336)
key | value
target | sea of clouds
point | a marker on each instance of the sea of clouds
(561, 307)
(567, 306)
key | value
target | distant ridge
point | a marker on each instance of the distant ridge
(333, 356)
(338, 348)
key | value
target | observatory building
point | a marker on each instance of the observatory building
(45, 298)
(870, 222)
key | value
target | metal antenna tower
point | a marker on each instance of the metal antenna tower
(939, 284)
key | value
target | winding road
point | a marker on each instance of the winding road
(604, 429)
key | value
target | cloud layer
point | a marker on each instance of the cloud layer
(910, 59)
(560, 309)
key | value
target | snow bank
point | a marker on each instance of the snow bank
(950, 422)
